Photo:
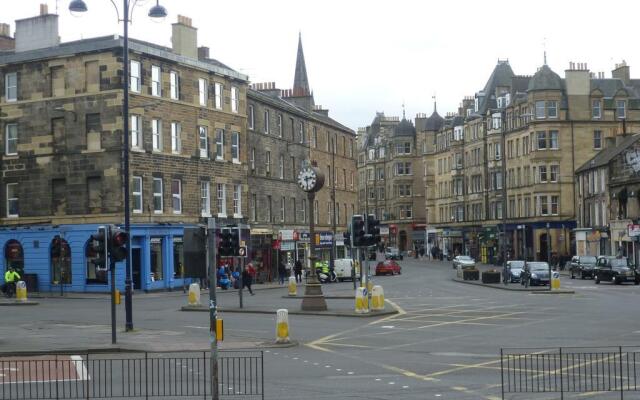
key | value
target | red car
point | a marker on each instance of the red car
(388, 267)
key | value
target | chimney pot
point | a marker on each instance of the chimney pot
(44, 9)
(203, 53)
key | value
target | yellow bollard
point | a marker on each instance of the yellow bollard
(117, 297)
(194, 294)
(293, 286)
(21, 291)
(362, 301)
(555, 280)
(377, 298)
(282, 326)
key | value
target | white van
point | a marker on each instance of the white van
(343, 267)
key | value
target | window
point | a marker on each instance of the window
(294, 209)
(282, 207)
(596, 110)
(540, 109)
(157, 268)
(176, 196)
(11, 86)
(178, 257)
(11, 139)
(157, 195)
(205, 199)
(136, 132)
(554, 205)
(237, 201)
(61, 272)
(174, 84)
(553, 140)
(218, 95)
(405, 190)
(267, 161)
(403, 168)
(328, 213)
(597, 139)
(279, 121)
(314, 137)
(250, 118)
(134, 73)
(156, 134)
(137, 194)
(281, 167)
(621, 109)
(269, 209)
(202, 91)
(266, 122)
(554, 173)
(498, 151)
(252, 160)
(293, 168)
(542, 171)
(235, 147)
(204, 141)
(552, 109)
(156, 83)
(12, 200)
(254, 207)
(234, 99)
(542, 140)
(219, 144)
(337, 208)
(176, 142)
(301, 131)
(222, 200)
(304, 210)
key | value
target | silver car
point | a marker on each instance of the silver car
(464, 262)
(514, 268)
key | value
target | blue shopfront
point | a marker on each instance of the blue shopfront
(59, 257)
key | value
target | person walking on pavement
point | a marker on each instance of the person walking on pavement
(247, 279)
(282, 272)
(297, 269)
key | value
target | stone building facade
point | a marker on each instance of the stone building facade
(546, 127)
(61, 109)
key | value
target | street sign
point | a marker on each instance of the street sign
(242, 252)
(384, 230)
(634, 230)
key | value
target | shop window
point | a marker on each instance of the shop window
(14, 256)
(157, 271)
(60, 261)
(178, 257)
(94, 276)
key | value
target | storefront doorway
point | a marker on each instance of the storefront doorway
(136, 267)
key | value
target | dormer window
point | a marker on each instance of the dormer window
(621, 109)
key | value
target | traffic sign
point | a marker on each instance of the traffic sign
(242, 252)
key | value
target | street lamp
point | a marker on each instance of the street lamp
(157, 11)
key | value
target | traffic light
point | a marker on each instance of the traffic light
(357, 230)
(229, 242)
(347, 238)
(235, 241)
(373, 230)
(118, 244)
(98, 244)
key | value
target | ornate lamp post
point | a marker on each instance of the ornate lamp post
(156, 12)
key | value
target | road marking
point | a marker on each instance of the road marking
(387, 326)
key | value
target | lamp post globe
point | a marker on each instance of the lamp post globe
(158, 11)
(78, 6)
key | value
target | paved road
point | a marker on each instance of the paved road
(445, 343)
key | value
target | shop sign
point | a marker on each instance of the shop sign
(288, 245)
(384, 230)
(288, 234)
(339, 242)
(634, 230)
(324, 239)
(304, 236)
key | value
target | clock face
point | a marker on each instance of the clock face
(307, 179)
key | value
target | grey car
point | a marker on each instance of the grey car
(463, 262)
(535, 273)
(514, 268)
(582, 266)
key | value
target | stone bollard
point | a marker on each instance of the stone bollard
(293, 286)
(194, 294)
(282, 326)
(377, 298)
(21, 291)
(362, 301)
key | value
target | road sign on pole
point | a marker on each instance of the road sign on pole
(242, 251)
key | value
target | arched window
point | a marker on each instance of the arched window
(14, 256)
(60, 261)
(95, 275)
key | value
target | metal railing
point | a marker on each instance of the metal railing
(570, 370)
(146, 375)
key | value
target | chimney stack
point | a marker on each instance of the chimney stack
(184, 39)
(39, 32)
(203, 53)
(622, 72)
(6, 41)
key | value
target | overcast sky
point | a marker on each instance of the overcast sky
(374, 55)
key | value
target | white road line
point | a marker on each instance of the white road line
(80, 367)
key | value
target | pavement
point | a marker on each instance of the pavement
(444, 342)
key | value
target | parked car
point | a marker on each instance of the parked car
(514, 268)
(535, 273)
(582, 266)
(463, 262)
(388, 267)
(343, 268)
(393, 253)
(615, 270)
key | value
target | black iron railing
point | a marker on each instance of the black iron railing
(129, 375)
(570, 370)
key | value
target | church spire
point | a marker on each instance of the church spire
(301, 81)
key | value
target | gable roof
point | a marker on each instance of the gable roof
(607, 154)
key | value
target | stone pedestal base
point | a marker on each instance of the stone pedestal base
(313, 299)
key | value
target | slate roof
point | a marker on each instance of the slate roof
(545, 79)
(434, 122)
(501, 76)
(607, 154)
(404, 128)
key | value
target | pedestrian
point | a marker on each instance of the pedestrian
(10, 279)
(297, 269)
(282, 272)
(247, 280)
(422, 252)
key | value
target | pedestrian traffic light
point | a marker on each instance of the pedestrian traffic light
(347, 238)
(225, 247)
(235, 242)
(358, 231)
(98, 245)
(373, 230)
(118, 250)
